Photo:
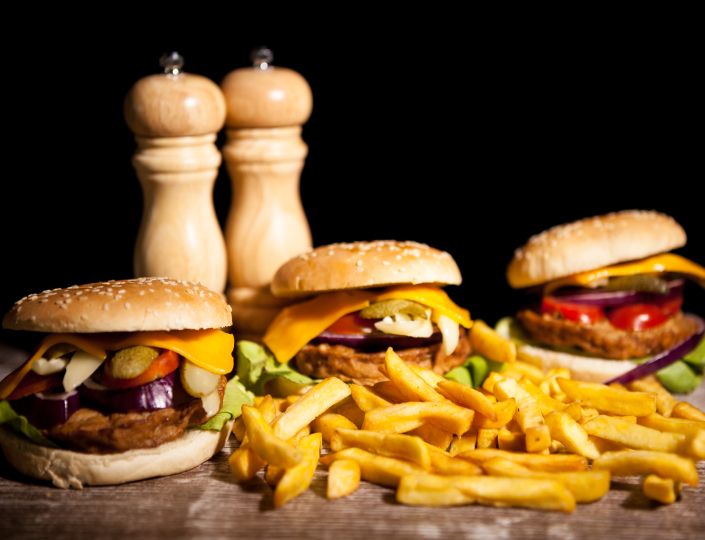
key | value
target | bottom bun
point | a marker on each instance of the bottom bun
(581, 368)
(74, 469)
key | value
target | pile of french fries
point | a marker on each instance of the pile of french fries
(525, 438)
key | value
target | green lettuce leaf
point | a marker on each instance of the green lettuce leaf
(21, 425)
(459, 374)
(235, 397)
(679, 378)
(256, 366)
(696, 358)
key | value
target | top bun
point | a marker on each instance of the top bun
(592, 243)
(362, 265)
(121, 306)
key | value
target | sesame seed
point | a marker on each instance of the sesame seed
(84, 316)
(127, 305)
(106, 307)
(167, 303)
(122, 291)
(32, 318)
(156, 313)
(150, 290)
(208, 305)
(83, 298)
(385, 263)
(167, 290)
(63, 306)
(141, 293)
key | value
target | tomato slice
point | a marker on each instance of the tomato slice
(352, 323)
(670, 306)
(573, 312)
(637, 316)
(163, 364)
(33, 383)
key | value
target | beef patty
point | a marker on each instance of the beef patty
(603, 339)
(325, 360)
(98, 432)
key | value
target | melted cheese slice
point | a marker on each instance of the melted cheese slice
(298, 324)
(210, 349)
(668, 262)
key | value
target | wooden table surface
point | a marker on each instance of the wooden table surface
(206, 502)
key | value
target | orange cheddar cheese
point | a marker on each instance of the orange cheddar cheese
(667, 262)
(298, 324)
(210, 349)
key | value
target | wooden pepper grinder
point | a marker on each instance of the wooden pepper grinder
(175, 117)
(264, 155)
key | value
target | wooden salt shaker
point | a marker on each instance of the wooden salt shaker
(264, 155)
(175, 117)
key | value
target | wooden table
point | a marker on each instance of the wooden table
(207, 503)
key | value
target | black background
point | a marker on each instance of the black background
(467, 132)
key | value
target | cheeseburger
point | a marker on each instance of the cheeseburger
(609, 292)
(360, 298)
(125, 369)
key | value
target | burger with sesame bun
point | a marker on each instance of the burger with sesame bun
(128, 382)
(355, 301)
(608, 291)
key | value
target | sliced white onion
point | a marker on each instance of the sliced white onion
(418, 328)
(197, 381)
(42, 366)
(451, 333)
(211, 403)
(81, 366)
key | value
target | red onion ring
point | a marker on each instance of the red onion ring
(46, 410)
(616, 298)
(665, 358)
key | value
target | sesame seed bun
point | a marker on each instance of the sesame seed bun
(592, 243)
(121, 306)
(360, 265)
(65, 468)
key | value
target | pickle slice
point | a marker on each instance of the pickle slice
(132, 362)
(640, 283)
(388, 308)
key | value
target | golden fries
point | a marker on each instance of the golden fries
(523, 439)
(297, 479)
(609, 400)
(391, 445)
(585, 486)
(633, 462)
(343, 478)
(432, 490)
(488, 343)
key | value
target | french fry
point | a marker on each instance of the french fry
(504, 412)
(352, 412)
(409, 384)
(239, 429)
(446, 465)
(546, 403)
(294, 441)
(535, 462)
(618, 386)
(490, 381)
(265, 444)
(327, 423)
(433, 435)
(273, 474)
(495, 491)
(665, 402)
(487, 438)
(467, 397)
(585, 486)
(407, 416)
(631, 435)
(373, 468)
(548, 384)
(463, 444)
(392, 445)
(663, 464)
(488, 395)
(488, 343)
(531, 372)
(311, 405)
(367, 400)
(431, 377)
(688, 412)
(388, 391)
(343, 478)
(244, 462)
(663, 490)
(603, 445)
(511, 441)
(671, 425)
(297, 479)
(566, 430)
(528, 414)
(609, 400)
